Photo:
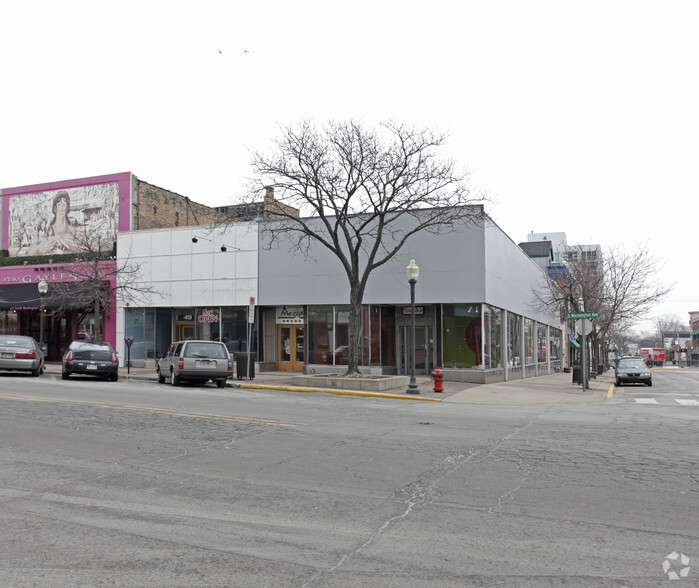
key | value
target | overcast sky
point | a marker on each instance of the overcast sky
(576, 117)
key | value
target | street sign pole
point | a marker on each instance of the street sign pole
(251, 320)
(584, 357)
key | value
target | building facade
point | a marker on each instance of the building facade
(475, 312)
(49, 230)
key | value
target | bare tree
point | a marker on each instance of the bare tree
(669, 323)
(97, 278)
(355, 188)
(621, 286)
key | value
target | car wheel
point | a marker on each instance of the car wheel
(221, 383)
(64, 375)
(114, 377)
(36, 373)
(174, 380)
(161, 378)
(618, 383)
(649, 384)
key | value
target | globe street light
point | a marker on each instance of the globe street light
(412, 271)
(43, 289)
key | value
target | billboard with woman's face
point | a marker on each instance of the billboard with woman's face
(60, 221)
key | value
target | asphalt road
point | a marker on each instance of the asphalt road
(131, 483)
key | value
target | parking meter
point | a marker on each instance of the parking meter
(129, 342)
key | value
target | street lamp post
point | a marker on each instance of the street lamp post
(412, 271)
(43, 289)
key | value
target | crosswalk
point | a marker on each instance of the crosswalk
(666, 400)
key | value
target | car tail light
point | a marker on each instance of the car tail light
(69, 356)
(180, 363)
(230, 365)
(114, 358)
(30, 355)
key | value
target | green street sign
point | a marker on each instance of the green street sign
(588, 314)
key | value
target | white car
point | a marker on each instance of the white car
(196, 361)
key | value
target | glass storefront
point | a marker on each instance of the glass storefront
(528, 341)
(154, 329)
(328, 335)
(542, 355)
(514, 339)
(556, 349)
(462, 341)
(492, 328)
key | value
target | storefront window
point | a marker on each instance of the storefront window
(555, 349)
(135, 321)
(342, 335)
(388, 336)
(541, 343)
(8, 322)
(233, 330)
(163, 331)
(320, 335)
(529, 341)
(514, 339)
(461, 324)
(493, 337)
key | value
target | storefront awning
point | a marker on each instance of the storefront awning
(574, 344)
(26, 296)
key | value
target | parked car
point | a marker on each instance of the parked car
(21, 353)
(94, 358)
(196, 361)
(632, 370)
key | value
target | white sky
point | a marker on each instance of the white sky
(581, 117)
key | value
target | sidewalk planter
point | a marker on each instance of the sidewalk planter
(375, 384)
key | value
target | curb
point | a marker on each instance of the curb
(332, 391)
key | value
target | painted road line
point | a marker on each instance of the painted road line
(152, 409)
(687, 402)
(646, 401)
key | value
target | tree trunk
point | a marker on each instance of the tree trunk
(98, 332)
(355, 330)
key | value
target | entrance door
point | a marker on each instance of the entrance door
(423, 349)
(290, 346)
(184, 331)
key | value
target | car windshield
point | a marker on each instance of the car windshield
(213, 350)
(632, 364)
(16, 341)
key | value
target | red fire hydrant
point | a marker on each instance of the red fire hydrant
(438, 377)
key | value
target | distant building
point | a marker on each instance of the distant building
(694, 326)
(268, 209)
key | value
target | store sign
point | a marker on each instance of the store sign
(290, 315)
(37, 277)
(207, 316)
(419, 310)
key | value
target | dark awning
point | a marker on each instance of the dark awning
(19, 296)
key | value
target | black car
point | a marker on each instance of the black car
(94, 358)
(632, 370)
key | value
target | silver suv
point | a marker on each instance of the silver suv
(196, 361)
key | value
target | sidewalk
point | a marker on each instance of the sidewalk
(549, 389)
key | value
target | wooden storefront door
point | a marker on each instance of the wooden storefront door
(291, 348)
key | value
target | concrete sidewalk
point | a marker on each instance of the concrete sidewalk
(549, 389)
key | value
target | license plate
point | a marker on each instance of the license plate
(91, 366)
(8, 355)
(206, 363)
